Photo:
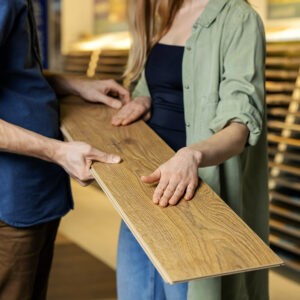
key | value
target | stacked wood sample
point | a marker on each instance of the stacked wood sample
(103, 64)
(283, 100)
(196, 239)
(77, 62)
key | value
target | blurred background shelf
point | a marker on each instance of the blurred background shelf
(283, 101)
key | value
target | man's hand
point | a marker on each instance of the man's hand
(77, 158)
(108, 92)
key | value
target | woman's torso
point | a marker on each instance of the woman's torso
(164, 77)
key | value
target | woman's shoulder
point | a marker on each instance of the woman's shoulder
(239, 13)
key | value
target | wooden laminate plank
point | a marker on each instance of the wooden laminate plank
(291, 200)
(285, 168)
(276, 99)
(284, 48)
(283, 62)
(282, 112)
(281, 74)
(283, 140)
(280, 87)
(113, 60)
(114, 53)
(108, 68)
(285, 227)
(283, 125)
(284, 211)
(286, 243)
(285, 182)
(286, 154)
(196, 239)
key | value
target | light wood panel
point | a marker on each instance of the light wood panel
(285, 182)
(196, 239)
(283, 125)
(285, 226)
(277, 99)
(284, 211)
(292, 200)
(283, 140)
(286, 243)
(285, 168)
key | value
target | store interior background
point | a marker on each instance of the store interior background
(80, 34)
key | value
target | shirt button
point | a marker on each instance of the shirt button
(188, 124)
(195, 26)
(189, 48)
(187, 87)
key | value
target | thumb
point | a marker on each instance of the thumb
(154, 177)
(103, 157)
(112, 102)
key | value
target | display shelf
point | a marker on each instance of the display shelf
(283, 103)
(285, 226)
(285, 242)
(285, 198)
(284, 211)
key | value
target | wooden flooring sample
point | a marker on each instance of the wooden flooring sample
(196, 239)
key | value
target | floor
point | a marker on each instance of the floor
(77, 275)
(85, 256)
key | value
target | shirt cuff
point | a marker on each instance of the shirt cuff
(251, 118)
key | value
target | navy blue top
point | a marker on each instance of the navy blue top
(164, 78)
(32, 191)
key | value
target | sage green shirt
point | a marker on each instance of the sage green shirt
(223, 80)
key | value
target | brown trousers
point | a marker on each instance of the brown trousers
(25, 260)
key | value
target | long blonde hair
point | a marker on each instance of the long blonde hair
(149, 21)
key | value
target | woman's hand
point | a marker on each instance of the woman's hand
(132, 111)
(177, 178)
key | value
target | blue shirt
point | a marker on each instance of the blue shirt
(32, 191)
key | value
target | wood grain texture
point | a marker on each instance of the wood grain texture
(196, 239)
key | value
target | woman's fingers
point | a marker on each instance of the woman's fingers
(167, 194)
(159, 191)
(190, 191)
(128, 114)
(152, 178)
(177, 195)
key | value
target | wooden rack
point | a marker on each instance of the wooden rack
(283, 101)
(103, 64)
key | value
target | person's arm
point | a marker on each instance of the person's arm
(239, 115)
(75, 157)
(108, 92)
(178, 177)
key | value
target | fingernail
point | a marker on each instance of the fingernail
(116, 159)
(117, 104)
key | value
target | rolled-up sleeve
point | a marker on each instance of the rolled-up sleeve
(141, 89)
(242, 87)
(7, 17)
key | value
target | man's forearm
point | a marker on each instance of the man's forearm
(62, 85)
(15, 139)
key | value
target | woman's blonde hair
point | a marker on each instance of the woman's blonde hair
(149, 21)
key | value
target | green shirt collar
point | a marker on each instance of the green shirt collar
(211, 12)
